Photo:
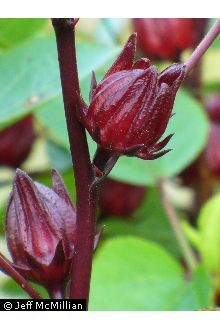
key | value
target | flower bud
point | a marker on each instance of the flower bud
(16, 142)
(40, 229)
(213, 107)
(130, 108)
(166, 38)
(119, 198)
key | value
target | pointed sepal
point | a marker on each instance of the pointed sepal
(125, 59)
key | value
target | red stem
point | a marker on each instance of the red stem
(85, 191)
(203, 46)
(7, 267)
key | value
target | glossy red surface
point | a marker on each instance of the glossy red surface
(130, 108)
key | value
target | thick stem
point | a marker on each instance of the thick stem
(84, 177)
(7, 267)
(175, 224)
(203, 46)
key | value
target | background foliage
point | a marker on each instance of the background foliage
(138, 265)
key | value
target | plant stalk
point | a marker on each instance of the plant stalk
(86, 193)
(8, 268)
(203, 46)
(175, 224)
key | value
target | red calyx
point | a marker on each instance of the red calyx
(130, 108)
(40, 230)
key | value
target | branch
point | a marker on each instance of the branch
(85, 191)
(7, 267)
(203, 46)
(175, 224)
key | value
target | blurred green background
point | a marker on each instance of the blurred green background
(138, 265)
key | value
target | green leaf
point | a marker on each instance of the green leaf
(138, 275)
(208, 242)
(133, 274)
(198, 293)
(202, 287)
(110, 30)
(15, 30)
(30, 75)
(55, 124)
(149, 222)
(11, 290)
(59, 157)
(192, 233)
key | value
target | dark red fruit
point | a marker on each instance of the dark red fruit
(16, 142)
(120, 199)
(166, 38)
